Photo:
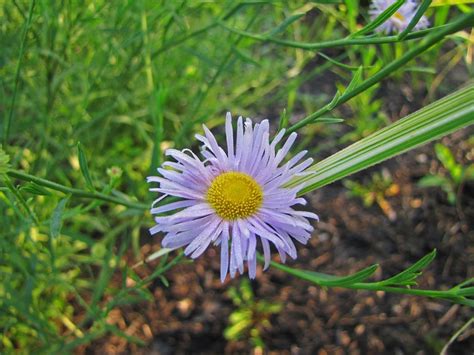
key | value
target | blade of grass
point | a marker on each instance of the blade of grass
(380, 19)
(438, 119)
(84, 166)
(419, 13)
(8, 121)
(21, 200)
(171, 44)
(200, 97)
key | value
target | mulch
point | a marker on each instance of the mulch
(191, 314)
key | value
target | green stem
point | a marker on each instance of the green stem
(424, 45)
(226, 16)
(449, 295)
(14, 191)
(17, 74)
(203, 93)
(343, 42)
(75, 192)
(379, 20)
(461, 330)
(419, 13)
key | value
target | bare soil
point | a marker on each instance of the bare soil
(191, 314)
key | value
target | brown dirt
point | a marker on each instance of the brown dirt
(191, 314)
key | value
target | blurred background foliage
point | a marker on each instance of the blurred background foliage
(128, 79)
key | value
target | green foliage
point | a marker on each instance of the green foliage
(4, 161)
(131, 79)
(441, 117)
(377, 191)
(462, 293)
(84, 167)
(56, 219)
(458, 174)
(250, 317)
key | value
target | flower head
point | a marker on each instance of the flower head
(400, 19)
(235, 199)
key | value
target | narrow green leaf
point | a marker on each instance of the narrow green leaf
(326, 279)
(158, 254)
(329, 120)
(101, 283)
(7, 121)
(410, 274)
(20, 198)
(456, 294)
(380, 19)
(284, 120)
(246, 56)
(84, 167)
(122, 200)
(335, 281)
(356, 79)
(419, 13)
(432, 181)
(436, 120)
(334, 101)
(446, 157)
(338, 63)
(165, 281)
(287, 22)
(327, 1)
(416, 69)
(35, 189)
(450, 2)
(467, 291)
(465, 283)
(57, 218)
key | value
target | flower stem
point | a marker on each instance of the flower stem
(75, 192)
(343, 42)
(425, 44)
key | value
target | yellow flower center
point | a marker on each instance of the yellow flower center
(235, 195)
(399, 16)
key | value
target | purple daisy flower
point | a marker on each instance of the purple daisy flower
(400, 19)
(235, 199)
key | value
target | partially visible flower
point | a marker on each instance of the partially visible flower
(235, 199)
(400, 19)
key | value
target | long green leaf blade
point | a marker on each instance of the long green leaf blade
(84, 167)
(326, 279)
(380, 19)
(409, 275)
(57, 218)
(436, 120)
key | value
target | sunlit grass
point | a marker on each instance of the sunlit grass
(128, 80)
